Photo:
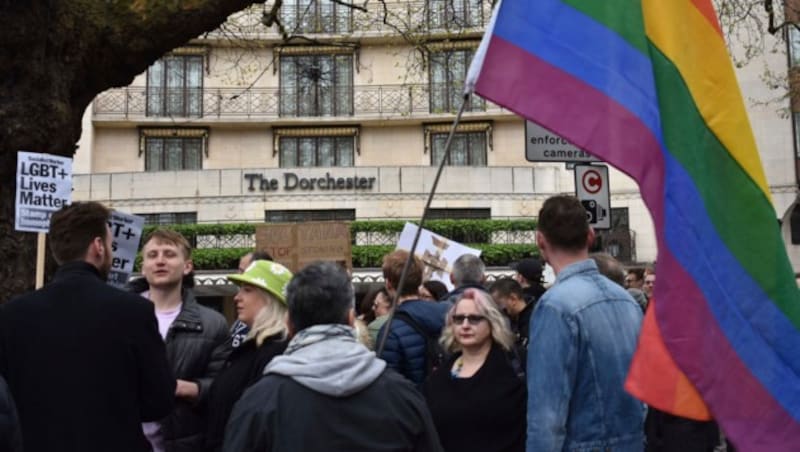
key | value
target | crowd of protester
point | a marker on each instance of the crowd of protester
(501, 366)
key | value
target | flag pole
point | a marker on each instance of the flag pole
(445, 156)
(40, 248)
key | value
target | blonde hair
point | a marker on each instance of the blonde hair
(498, 323)
(270, 320)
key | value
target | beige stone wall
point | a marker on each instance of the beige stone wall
(116, 150)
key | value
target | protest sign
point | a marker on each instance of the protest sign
(44, 185)
(126, 231)
(296, 245)
(437, 253)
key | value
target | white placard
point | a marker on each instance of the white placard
(591, 188)
(436, 252)
(44, 185)
(126, 231)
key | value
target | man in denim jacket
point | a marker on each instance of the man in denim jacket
(583, 334)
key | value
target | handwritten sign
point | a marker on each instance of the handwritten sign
(44, 185)
(126, 231)
(296, 245)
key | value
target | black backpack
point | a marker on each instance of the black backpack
(435, 354)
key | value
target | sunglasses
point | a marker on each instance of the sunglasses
(458, 319)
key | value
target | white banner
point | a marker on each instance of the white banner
(44, 185)
(126, 232)
(436, 252)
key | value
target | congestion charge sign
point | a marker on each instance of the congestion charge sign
(541, 145)
(591, 188)
(44, 185)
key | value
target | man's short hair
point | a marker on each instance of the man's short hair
(609, 267)
(392, 267)
(74, 227)
(260, 256)
(638, 272)
(172, 237)
(468, 269)
(563, 222)
(504, 287)
(319, 294)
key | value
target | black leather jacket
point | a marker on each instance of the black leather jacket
(196, 349)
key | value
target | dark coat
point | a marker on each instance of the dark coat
(278, 414)
(10, 433)
(244, 366)
(197, 347)
(85, 364)
(405, 349)
(483, 413)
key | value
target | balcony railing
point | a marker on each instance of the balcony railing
(433, 16)
(368, 101)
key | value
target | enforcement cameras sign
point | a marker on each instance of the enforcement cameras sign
(591, 188)
(541, 145)
(44, 185)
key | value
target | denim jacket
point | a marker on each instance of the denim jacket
(583, 334)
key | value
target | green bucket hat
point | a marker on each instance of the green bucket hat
(270, 276)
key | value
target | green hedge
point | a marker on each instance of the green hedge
(476, 233)
(363, 256)
(463, 231)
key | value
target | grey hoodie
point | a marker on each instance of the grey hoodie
(328, 359)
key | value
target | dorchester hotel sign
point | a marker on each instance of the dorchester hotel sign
(293, 181)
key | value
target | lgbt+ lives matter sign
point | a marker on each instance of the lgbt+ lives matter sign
(44, 185)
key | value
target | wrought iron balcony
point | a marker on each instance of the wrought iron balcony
(433, 16)
(366, 102)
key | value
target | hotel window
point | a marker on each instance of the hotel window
(469, 146)
(175, 85)
(794, 46)
(168, 218)
(299, 216)
(454, 14)
(448, 69)
(316, 16)
(315, 147)
(173, 149)
(315, 84)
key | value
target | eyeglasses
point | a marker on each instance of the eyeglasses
(458, 319)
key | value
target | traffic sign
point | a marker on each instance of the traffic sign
(591, 188)
(541, 145)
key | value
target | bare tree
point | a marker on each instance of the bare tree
(57, 55)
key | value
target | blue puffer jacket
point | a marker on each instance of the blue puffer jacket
(405, 348)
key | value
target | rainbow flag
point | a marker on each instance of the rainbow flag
(647, 85)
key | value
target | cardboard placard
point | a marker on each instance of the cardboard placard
(296, 245)
(44, 186)
(126, 232)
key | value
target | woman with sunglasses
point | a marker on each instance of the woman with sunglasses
(478, 397)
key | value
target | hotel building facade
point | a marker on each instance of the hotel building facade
(348, 122)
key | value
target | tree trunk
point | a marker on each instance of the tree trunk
(56, 57)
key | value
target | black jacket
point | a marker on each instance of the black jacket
(278, 414)
(85, 364)
(483, 413)
(197, 346)
(244, 366)
(10, 433)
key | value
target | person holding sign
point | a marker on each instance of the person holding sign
(84, 361)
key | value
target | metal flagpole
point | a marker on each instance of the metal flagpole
(388, 324)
